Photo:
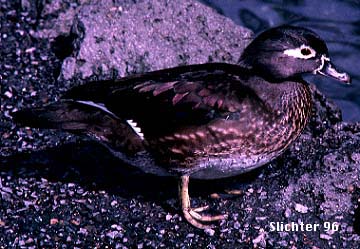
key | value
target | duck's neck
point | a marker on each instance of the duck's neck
(297, 105)
(290, 100)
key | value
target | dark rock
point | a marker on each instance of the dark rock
(57, 18)
(97, 201)
(127, 38)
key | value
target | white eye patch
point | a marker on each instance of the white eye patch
(303, 52)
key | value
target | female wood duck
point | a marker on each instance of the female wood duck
(201, 121)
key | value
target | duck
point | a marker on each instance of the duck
(204, 121)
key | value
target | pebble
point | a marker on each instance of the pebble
(53, 221)
(168, 217)
(287, 212)
(30, 50)
(209, 231)
(113, 235)
(237, 225)
(190, 235)
(355, 157)
(114, 203)
(117, 227)
(8, 94)
(325, 236)
(301, 208)
(260, 239)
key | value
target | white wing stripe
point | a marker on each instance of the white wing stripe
(97, 105)
(101, 106)
(136, 128)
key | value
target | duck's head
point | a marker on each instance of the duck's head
(286, 52)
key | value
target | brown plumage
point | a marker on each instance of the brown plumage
(201, 121)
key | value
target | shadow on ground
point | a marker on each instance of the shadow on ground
(92, 166)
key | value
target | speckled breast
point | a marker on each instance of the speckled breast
(237, 143)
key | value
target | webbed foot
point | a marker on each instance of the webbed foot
(193, 215)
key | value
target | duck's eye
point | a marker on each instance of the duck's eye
(305, 51)
(302, 52)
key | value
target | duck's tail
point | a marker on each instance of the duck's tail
(83, 117)
(65, 115)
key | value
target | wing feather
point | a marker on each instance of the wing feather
(171, 98)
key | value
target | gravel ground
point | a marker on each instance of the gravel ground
(58, 190)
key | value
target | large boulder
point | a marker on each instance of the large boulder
(118, 39)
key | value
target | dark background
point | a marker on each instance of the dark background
(337, 22)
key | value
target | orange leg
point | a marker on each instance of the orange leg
(192, 215)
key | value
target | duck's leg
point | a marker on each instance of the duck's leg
(192, 215)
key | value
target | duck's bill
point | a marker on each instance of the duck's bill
(328, 69)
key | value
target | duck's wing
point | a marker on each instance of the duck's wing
(170, 99)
